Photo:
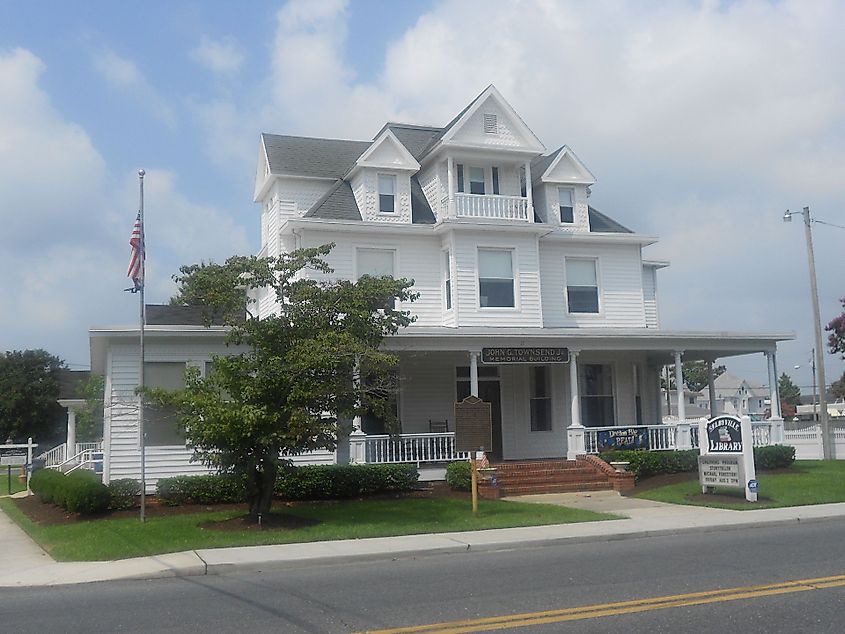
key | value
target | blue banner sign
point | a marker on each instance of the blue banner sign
(623, 438)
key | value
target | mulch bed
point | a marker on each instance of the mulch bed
(51, 515)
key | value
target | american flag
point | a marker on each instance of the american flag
(136, 268)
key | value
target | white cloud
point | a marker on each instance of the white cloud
(124, 76)
(223, 56)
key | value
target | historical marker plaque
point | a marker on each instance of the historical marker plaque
(473, 426)
(535, 356)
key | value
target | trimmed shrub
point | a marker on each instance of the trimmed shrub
(459, 476)
(650, 463)
(219, 488)
(774, 457)
(124, 493)
(326, 482)
(44, 484)
(82, 492)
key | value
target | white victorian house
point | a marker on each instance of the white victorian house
(507, 256)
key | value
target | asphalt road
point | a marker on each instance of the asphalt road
(658, 581)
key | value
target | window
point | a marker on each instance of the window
(495, 279)
(491, 124)
(564, 197)
(476, 180)
(376, 263)
(541, 399)
(495, 171)
(460, 175)
(596, 384)
(447, 284)
(161, 424)
(386, 193)
(582, 291)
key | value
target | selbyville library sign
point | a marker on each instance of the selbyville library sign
(727, 455)
(524, 355)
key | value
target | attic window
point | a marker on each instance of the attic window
(491, 124)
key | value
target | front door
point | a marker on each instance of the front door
(490, 391)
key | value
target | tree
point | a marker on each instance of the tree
(838, 388)
(89, 417)
(836, 328)
(29, 387)
(789, 392)
(294, 383)
(695, 375)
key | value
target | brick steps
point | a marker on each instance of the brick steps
(549, 476)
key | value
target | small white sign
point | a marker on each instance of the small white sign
(14, 460)
(723, 471)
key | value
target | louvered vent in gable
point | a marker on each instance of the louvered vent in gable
(491, 124)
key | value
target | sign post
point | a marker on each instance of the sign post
(726, 455)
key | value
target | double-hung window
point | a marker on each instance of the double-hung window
(161, 423)
(447, 280)
(541, 399)
(582, 289)
(564, 197)
(476, 180)
(376, 263)
(386, 193)
(495, 278)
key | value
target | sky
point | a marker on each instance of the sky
(702, 121)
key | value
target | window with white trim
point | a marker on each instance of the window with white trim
(541, 398)
(386, 193)
(495, 278)
(582, 289)
(376, 263)
(476, 180)
(596, 385)
(447, 280)
(161, 424)
(494, 173)
(564, 198)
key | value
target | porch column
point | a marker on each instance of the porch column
(528, 192)
(679, 386)
(711, 389)
(450, 171)
(473, 374)
(357, 438)
(71, 432)
(575, 433)
(773, 386)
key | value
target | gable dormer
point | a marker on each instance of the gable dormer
(561, 188)
(381, 180)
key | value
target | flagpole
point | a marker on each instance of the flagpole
(141, 365)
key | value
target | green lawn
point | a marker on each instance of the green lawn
(808, 482)
(17, 485)
(121, 538)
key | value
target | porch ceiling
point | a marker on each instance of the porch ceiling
(658, 344)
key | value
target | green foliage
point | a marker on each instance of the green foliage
(459, 475)
(650, 463)
(286, 393)
(202, 489)
(837, 388)
(695, 375)
(78, 492)
(327, 482)
(89, 417)
(44, 484)
(774, 457)
(788, 391)
(836, 328)
(29, 387)
(124, 493)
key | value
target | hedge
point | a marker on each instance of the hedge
(459, 475)
(123, 493)
(774, 457)
(309, 482)
(78, 492)
(650, 463)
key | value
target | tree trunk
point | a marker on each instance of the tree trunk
(263, 483)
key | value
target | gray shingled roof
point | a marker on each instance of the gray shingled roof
(541, 164)
(166, 315)
(421, 213)
(336, 204)
(303, 156)
(599, 223)
(417, 139)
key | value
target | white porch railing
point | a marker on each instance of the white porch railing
(57, 458)
(416, 448)
(672, 436)
(54, 456)
(86, 459)
(492, 206)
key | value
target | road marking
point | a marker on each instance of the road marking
(623, 607)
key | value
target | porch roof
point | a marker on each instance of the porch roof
(696, 345)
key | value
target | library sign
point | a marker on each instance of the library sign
(726, 455)
(535, 356)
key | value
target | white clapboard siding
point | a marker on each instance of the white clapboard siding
(620, 286)
(428, 389)
(650, 297)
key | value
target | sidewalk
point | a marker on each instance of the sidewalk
(23, 563)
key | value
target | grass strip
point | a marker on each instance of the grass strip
(107, 539)
(808, 482)
(17, 485)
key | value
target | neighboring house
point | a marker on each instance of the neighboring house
(509, 260)
(695, 407)
(737, 396)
